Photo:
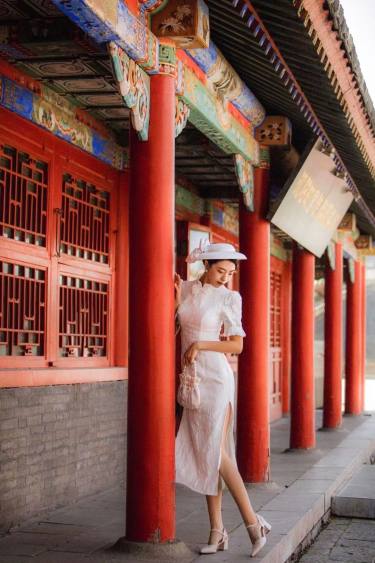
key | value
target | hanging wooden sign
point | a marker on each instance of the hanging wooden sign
(313, 201)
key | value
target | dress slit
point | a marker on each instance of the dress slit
(224, 441)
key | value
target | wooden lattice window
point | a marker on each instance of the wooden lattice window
(83, 317)
(275, 323)
(84, 231)
(22, 310)
(23, 196)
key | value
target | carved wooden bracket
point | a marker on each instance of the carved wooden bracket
(186, 23)
(274, 131)
(134, 86)
(181, 117)
(245, 179)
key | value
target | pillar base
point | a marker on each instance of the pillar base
(299, 450)
(330, 428)
(154, 551)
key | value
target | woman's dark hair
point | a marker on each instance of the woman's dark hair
(212, 262)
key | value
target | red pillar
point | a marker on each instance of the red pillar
(122, 274)
(332, 416)
(253, 440)
(363, 278)
(353, 369)
(286, 338)
(150, 503)
(302, 413)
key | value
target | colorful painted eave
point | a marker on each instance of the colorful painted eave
(38, 104)
(222, 122)
(256, 27)
(329, 46)
(114, 21)
(227, 83)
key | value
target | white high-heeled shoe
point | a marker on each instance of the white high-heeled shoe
(257, 533)
(221, 545)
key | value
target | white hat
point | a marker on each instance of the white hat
(216, 251)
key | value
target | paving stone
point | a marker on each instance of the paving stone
(11, 547)
(17, 559)
(354, 542)
(314, 558)
(54, 528)
(364, 530)
(317, 472)
(354, 551)
(39, 538)
(59, 557)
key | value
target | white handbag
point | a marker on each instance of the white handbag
(188, 395)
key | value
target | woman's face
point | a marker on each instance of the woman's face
(220, 273)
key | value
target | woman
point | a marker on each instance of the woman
(205, 454)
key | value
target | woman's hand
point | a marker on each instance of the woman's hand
(177, 289)
(191, 353)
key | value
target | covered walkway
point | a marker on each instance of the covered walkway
(86, 529)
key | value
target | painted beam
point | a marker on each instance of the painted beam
(207, 115)
(225, 83)
(112, 20)
(52, 112)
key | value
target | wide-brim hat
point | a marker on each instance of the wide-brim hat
(215, 251)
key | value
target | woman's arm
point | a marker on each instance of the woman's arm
(232, 346)
(177, 291)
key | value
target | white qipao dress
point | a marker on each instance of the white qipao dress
(203, 311)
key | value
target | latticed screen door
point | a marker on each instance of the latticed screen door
(84, 244)
(83, 317)
(23, 227)
(22, 310)
(276, 339)
(56, 253)
(23, 196)
(84, 229)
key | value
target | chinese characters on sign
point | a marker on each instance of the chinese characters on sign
(314, 201)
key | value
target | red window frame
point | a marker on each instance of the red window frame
(61, 157)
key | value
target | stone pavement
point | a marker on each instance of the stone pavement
(343, 540)
(295, 501)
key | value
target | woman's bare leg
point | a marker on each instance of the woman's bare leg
(215, 516)
(214, 504)
(233, 480)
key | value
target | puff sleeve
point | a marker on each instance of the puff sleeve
(232, 315)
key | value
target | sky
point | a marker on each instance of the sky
(360, 18)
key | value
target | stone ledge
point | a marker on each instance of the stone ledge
(297, 513)
(357, 498)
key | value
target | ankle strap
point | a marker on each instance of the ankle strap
(222, 532)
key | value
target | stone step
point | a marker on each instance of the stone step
(357, 498)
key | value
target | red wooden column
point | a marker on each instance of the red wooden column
(286, 340)
(302, 411)
(253, 440)
(122, 274)
(353, 368)
(332, 416)
(150, 503)
(363, 279)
